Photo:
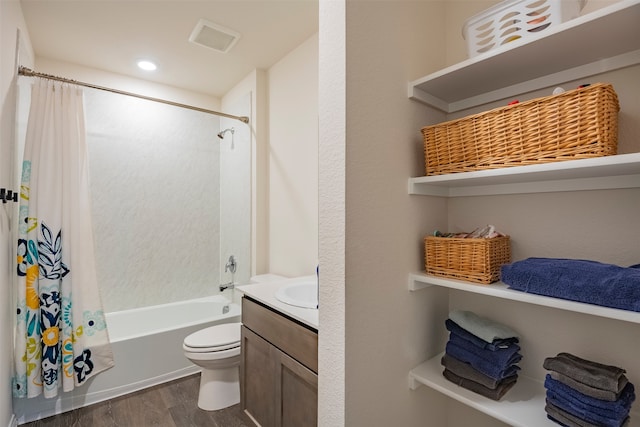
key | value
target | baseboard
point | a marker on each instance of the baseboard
(40, 408)
(101, 396)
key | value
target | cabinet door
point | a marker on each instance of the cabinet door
(296, 393)
(257, 378)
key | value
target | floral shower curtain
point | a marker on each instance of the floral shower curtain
(61, 336)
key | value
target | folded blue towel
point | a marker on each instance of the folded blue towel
(589, 413)
(488, 367)
(502, 357)
(576, 280)
(566, 419)
(593, 417)
(615, 409)
(497, 343)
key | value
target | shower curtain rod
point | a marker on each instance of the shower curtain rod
(24, 71)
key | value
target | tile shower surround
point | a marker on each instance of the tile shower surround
(155, 186)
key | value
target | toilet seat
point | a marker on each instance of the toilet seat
(216, 338)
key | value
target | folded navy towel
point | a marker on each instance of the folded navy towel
(594, 374)
(564, 418)
(502, 357)
(588, 413)
(489, 368)
(576, 280)
(610, 409)
(493, 394)
(466, 371)
(588, 390)
(497, 343)
(481, 327)
(592, 417)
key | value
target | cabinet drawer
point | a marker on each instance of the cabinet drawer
(292, 338)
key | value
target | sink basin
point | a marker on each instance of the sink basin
(300, 294)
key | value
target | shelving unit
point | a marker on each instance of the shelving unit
(521, 406)
(419, 281)
(604, 40)
(621, 171)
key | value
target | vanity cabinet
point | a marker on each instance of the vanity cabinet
(506, 73)
(279, 368)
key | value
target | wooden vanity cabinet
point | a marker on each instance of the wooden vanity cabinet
(279, 368)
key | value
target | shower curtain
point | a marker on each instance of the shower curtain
(61, 337)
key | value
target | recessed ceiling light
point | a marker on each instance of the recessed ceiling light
(147, 65)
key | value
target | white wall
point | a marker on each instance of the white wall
(125, 83)
(11, 19)
(254, 86)
(235, 192)
(387, 332)
(369, 145)
(293, 161)
(331, 212)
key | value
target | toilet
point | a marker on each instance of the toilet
(216, 350)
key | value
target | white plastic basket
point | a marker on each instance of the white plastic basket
(512, 20)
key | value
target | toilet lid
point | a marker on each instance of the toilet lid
(226, 335)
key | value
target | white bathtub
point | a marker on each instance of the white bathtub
(147, 347)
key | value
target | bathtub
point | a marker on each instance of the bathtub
(147, 348)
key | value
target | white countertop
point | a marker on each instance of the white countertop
(264, 292)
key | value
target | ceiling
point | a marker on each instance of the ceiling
(114, 35)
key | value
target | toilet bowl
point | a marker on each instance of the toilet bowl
(216, 350)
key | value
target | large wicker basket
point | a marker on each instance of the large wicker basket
(472, 260)
(576, 124)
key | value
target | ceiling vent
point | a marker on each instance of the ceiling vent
(214, 36)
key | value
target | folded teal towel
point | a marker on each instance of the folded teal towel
(496, 344)
(482, 327)
(585, 281)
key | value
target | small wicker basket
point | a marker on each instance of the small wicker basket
(472, 260)
(576, 124)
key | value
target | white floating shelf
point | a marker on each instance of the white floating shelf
(608, 39)
(419, 281)
(523, 405)
(609, 172)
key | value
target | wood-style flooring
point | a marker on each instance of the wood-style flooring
(173, 404)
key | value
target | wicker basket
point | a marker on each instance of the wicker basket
(576, 124)
(472, 260)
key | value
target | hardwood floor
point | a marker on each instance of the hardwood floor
(173, 404)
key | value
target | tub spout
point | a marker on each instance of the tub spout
(224, 286)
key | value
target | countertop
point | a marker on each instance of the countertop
(264, 292)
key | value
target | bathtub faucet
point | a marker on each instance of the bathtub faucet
(224, 286)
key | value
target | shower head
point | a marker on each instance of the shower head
(221, 134)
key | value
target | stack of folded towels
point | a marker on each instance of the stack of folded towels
(481, 354)
(585, 393)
